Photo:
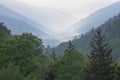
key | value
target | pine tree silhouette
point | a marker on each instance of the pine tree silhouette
(102, 66)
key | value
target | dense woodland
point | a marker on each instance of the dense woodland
(111, 29)
(24, 57)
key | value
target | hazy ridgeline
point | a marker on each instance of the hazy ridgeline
(94, 55)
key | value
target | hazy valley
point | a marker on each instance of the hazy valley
(56, 43)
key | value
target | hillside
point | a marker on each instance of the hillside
(97, 18)
(18, 23)
(111, 29)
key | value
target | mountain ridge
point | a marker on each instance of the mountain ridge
(97, 18)
(110, 29)
(19, 24)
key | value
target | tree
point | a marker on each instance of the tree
(102, 66)
(50, 73)
(25, 52)
(20, 52)
(4, 32)
(70, 46)
(10, 73)
(38, 50)
(53, 55)
(118, 73)
(36, 43)
(70, 66)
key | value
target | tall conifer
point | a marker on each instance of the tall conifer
(118, 73)
(102, 66)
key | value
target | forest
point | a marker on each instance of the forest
(24, 57)
(111, 29)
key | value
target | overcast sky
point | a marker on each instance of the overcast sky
(71, 4)
(77, 8)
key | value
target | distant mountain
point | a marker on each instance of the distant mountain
(98, 18)
(55, 21)
(111, 29)
(16, 26)
(18, 23)
(7, 15)
(51, 18)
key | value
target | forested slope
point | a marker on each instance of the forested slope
(111, 29)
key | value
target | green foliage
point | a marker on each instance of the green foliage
(118, 73)
(26, 53)
(36, 43)
(70, 66)
(111, 29)
(22, 57)
(102, 66)
(20, 52)
(10, 72)
(44, 62)
(4, 32)
(54, 56)
(50, 75)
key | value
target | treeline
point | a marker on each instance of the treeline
(23, 57)
(111, 29)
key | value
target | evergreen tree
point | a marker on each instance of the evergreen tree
(70, 66)
(70, 46)
(118, 73)
(4, 32)
(102, 66)
(54, 56)
(50, 73)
